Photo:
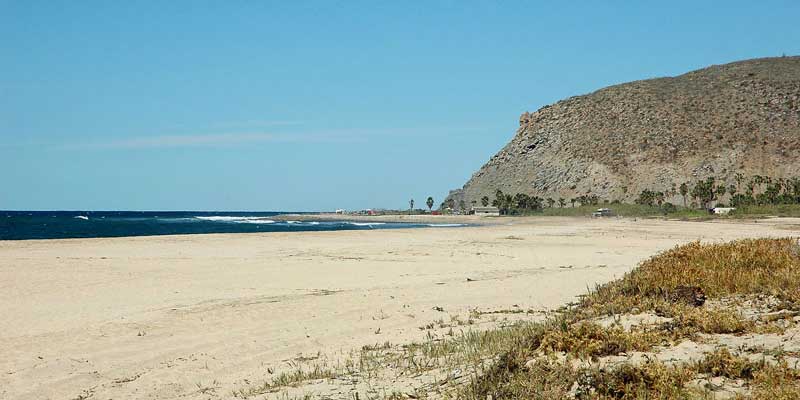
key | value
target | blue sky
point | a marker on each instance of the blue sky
(247, 105)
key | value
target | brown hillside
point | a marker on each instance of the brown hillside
(742, 117)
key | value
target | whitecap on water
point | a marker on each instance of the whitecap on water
(255, 221)
(365, 223)
(238, 220)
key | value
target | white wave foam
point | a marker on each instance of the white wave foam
(445, 225)
(255, 221)
(83, 217)
(220, 218)
(366, 223)
(238, 220)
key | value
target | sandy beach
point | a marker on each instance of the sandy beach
(200, 316)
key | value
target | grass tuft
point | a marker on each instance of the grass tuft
(590, 340)
(726, 273)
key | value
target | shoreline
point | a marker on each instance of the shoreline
(420, 220)
(395, 218)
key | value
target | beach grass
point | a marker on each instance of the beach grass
(543, 366)
(566, 355)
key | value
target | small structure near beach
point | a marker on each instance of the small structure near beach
(490, 211)
(603, 212)
(722, 210)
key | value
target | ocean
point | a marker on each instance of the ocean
(21, 225)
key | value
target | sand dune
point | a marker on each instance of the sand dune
(200, 316)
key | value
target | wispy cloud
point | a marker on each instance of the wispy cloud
(248, 137)
(207, 140)
(249, 124)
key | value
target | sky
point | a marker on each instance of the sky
(311, 106)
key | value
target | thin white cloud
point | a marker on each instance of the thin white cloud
(243, 124)
(229, 139)
(187, 140)
(206, 140)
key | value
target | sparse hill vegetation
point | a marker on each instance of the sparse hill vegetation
(721, 123)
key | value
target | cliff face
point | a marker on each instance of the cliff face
(742, 117)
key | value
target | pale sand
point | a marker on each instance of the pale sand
(163, 317)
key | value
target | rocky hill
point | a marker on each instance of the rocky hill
(655, 134)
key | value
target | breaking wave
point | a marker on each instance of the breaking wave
(238, 220)
(365, 223)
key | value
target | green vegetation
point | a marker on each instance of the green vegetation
(531, 367)
(758, 196)
(565, 356)
(628, 210)
(781, 210)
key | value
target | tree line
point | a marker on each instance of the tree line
(757, 190)
(521, 203)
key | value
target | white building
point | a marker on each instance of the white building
(492, 211)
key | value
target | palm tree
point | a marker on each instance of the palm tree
(561, 202)
(429, 203)
(573, 200)
(739, 178)
(485, 201)
(550, 202)
(684, 190)
(498, 198)
(721, 190)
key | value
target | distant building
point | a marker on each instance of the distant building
(340, 211)
(493, 211)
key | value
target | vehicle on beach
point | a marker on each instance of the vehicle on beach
(721, 210)
(603, 212)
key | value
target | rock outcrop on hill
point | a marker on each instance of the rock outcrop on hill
(655, 134)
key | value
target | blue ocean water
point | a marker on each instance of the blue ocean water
(20, 225)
